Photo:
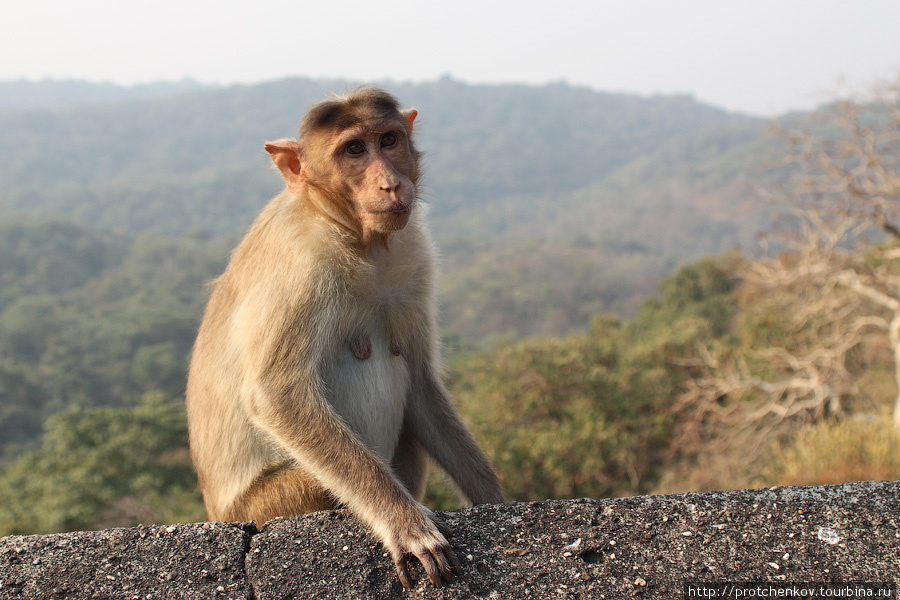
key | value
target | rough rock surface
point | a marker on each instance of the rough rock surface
(175, 561)
(644, 546)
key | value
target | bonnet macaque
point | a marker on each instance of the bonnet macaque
(315, 381)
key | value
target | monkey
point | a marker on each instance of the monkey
(315, 381)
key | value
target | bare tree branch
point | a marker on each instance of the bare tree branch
(835, 287)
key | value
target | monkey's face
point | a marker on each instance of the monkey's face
(362, 170)
(377, 171)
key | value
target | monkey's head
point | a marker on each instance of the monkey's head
(355, 160)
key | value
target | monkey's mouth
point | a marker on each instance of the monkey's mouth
(398, 210)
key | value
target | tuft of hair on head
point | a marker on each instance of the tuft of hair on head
(364, 104)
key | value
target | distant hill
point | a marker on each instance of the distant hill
(550, 203)
(68, 93)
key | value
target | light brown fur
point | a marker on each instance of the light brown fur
(315, 380)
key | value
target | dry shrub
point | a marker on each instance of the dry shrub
(838, 452)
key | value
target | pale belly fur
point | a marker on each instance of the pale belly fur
(370, 394)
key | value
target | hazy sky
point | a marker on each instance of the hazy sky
(758, 56)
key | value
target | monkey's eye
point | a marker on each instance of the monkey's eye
(388, 140)
(356, 147)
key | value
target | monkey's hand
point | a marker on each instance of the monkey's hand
(426, 538)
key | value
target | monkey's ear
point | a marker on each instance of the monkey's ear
(286, 155)
(410, 116)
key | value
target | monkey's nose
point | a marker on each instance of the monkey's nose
(390, 185)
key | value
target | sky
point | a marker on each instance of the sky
(761, 57)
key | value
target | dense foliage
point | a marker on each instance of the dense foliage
(103, 467)
(93, 319)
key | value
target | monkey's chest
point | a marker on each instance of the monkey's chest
(367, 384)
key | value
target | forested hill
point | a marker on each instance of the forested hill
(550, 203)
(52, 93)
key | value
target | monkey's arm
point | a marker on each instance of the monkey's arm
(290, 409)
(439, 428)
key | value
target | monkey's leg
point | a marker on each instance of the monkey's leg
(410, 464)
(438, 427)
(283, 493)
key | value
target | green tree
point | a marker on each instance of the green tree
(103, 467)
(556, 419)
(590, 415)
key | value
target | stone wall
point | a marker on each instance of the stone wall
(644, 546)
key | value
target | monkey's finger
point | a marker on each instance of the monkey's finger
(454, 561)
(402, 564)
(442, 527)
(435, 575)
(447, 562)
